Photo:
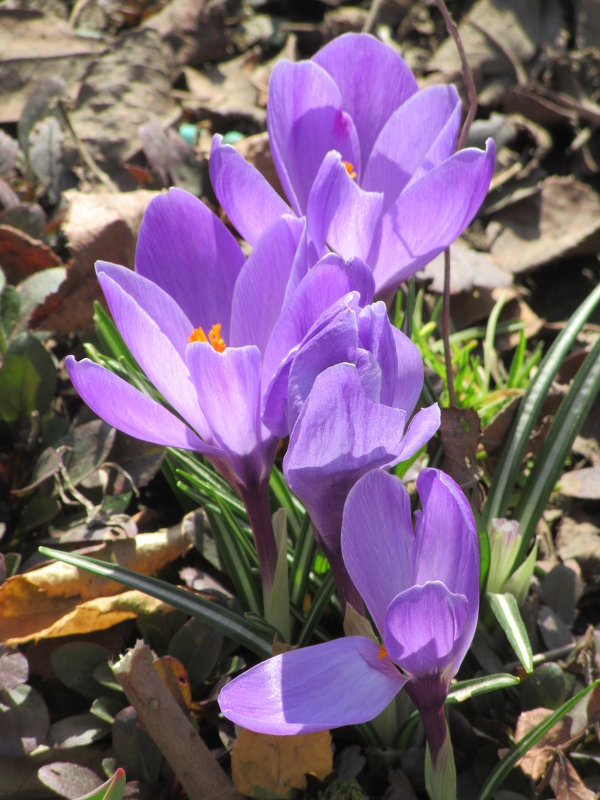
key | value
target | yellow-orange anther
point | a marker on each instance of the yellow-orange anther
(382, 651)
(214, 337)
(349, 169)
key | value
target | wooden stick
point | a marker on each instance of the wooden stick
(191, 760)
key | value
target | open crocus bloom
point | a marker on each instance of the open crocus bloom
(197, 316)
(365, 156)
(351, 414)
(423, 603)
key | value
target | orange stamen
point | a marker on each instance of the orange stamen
(214, 337)
(382, 651)
(349, 169)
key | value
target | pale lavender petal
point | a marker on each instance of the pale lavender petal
(418, 136)
(328, 281)
(377, 336)
(369, 374)
(132, 412)
(305, 121)
(334, 344)
(339, 212)
(373, 81)
(446, 525)
(338, 320)
(157, 304)
(338, 437)
(153, 350)
(424, 630)
(409, 375)
(421, 428)
(228, 388)
(342, 682)
(430, 215)
(249, 200)
(378, 541)
(188, 251)
(305, 258)
(261, 285)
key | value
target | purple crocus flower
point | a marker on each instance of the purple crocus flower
(423, 603)
(350, 394)
(198, 317)
(365, 156)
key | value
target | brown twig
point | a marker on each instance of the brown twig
(84, 153)
(200, 775)
(371, 19)
(464, 132)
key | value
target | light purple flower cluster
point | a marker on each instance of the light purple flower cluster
(365, 156)
(289, 342)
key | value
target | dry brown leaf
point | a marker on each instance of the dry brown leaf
(582, 483)
(34, 46)
(566, 783)
(459, 431)
(520, 26)
(34, 601)
(537, 760)
(98, 225)
(72, 618)
(227, 91)
(563, 219)
(264, 765)
(469, 268)
(120, 91)
(580, 540)
(21, 256)
(195, 32)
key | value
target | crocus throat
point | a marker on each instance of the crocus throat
(382, 651)
(349, 169)
(214, 337)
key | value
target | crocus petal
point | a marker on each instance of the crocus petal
(306, 257)
(429, 215)
(378, 541)
(153, 350)
(228, 388)
(334, 322)
(418, 136)
(373, 81)
(260, 288)
(446, 525)
(342, 682)
(305, 121)
(334, 344)
(339, 212)
(423, 626)
(377, 336)
(419, 431)
(339, 435)
(409, 375)
(248, 198)
(132, 412)
(188, 251)
(328, 281)
(157, 304)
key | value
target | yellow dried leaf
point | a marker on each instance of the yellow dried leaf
(78, 618)
(266, 767)
(35, 601)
